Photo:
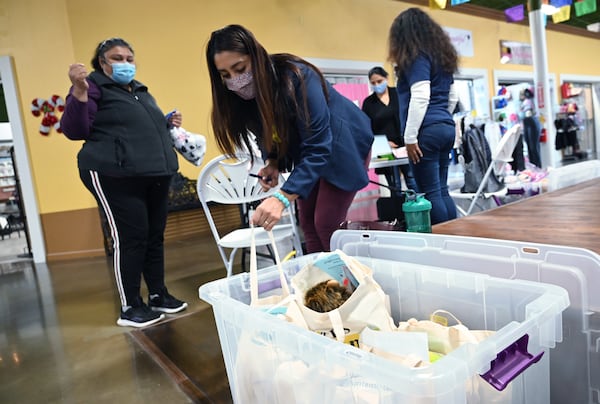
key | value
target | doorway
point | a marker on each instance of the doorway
(19, 168)
(586, 96)
(517, 81)
(351, 80)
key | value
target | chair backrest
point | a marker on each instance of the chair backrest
(572, 174)
(505, 147)
(227, 180)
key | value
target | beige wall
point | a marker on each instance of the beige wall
(169, 38)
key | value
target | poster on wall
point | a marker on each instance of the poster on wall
(516, 53)
(462, 41)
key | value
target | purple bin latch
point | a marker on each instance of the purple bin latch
(510, 363)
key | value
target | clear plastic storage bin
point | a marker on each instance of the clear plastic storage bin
(575, 362)
(271, 361)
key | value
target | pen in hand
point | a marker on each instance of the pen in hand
(267, 179)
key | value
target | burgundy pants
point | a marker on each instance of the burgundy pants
(322, 213)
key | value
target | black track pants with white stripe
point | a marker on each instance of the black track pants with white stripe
(136, 210)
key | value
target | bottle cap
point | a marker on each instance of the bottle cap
(415, 202)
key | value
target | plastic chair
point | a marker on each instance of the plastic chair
(226, 180)
(501, 155)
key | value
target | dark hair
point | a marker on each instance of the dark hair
(528, 93)
(277, 105)
(414, 32)
(378, 70)
(105, 46)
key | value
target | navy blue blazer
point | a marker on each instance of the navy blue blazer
(336, 144)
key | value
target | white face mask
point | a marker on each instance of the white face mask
(242, 85)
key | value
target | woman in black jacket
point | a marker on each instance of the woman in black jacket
(126, 162)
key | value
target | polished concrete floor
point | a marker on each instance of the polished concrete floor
(13, 246)
(59, 342)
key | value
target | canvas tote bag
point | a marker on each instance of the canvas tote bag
(274, 299)
(368, 305)
(258, 359)
(443, 338)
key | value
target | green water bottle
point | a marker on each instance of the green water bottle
(416, 212)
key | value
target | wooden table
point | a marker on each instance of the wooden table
(567, 217)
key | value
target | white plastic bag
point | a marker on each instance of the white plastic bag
(190, 145)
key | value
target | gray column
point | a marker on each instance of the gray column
(542, 81)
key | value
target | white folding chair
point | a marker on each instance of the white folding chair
(226, 180)
(501, 155)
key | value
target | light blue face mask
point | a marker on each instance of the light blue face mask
(380, 88)
(123, 73)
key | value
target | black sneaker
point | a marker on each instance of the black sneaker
(165, 303)
(139, 316)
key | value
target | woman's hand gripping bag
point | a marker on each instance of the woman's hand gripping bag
(190, 145)
(367, 304)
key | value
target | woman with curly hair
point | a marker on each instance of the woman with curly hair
(425, 61)
(302, 125)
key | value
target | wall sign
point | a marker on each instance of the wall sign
(462, 41)
(516, 53)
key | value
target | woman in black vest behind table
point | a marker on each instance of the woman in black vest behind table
(382, 107)
(126, 162)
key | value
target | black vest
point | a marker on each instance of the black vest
(129, 135)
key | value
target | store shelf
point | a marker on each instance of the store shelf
(9, 191)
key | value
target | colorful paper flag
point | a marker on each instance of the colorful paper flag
(437, 4)
(595, 27)
(563, 14)
(560, 3)
(457, 2)
(515, 13)
(584, 7)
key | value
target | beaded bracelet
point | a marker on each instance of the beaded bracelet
(282, 199)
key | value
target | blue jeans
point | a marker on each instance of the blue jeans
(431, 173)
(531, 129)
